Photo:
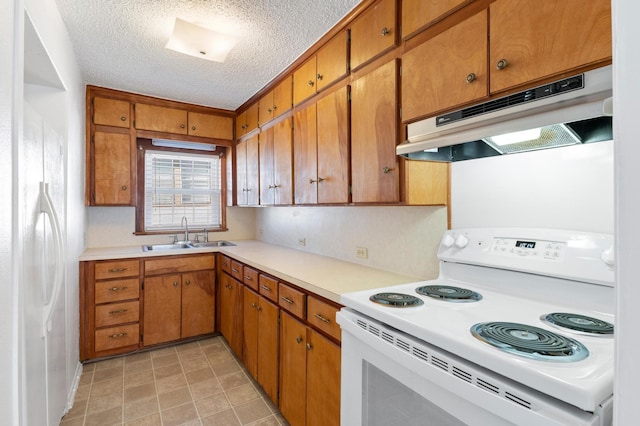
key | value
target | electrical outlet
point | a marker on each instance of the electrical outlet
(302, 241)
(362, 252)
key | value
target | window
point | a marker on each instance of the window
(179, 183)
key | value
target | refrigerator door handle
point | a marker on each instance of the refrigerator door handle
(46, 206)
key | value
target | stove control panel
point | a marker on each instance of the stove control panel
(550, 250)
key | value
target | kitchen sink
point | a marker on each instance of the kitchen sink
(185, 246)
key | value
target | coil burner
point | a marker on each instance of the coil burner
(579, 323)
(529, 341)
(396, 300)
(449, 293)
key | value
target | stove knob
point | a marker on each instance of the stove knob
(608, 256)
(461, 241)
(447, 241)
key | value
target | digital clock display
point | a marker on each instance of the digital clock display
(526, 244)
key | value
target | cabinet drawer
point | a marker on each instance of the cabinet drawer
(323, 316)
(292, 300)
(170, 265)
(250, 277)
(117, 337)
(117, 313)
(114, 291)
(236, 270)
(226, 264)
(269, 287)
(117, 269)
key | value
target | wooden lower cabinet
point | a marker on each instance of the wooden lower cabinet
(260, 341)
(231, 296)
(309, 375)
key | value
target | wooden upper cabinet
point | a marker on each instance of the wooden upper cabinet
(112, 180)
(210, 126)
(111, 112)
(247, 120)
(320, 71)
(276, 158)
(247, 163)
(426, 182)
(418, 14)
(161, 119)
(276, 102)
(331, 61)
(374, 135)
(435, 78)
(305, 156)
(373, 32)
(538, 39)
(333, 147)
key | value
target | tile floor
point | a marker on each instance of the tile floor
(196, 383)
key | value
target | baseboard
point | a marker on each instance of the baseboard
(74, 388)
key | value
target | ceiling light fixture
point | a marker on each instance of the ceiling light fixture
(201, 42)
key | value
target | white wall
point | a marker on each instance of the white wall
(114, 226)
(569, 188)
(398, 239)
(626, 89)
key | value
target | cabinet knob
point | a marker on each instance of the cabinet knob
(312, 181)
(253, 305)
(386, 170)
(502, 64)
(187, 282)
(471, 77)
(175, 283)
(299, 339)
(309, 347)
(123, 118)
(271, 186)
(275, 107)
(259, 308)
(310, 83)
(385, 31)
(193, 127)
(319, 76)
(124, 187)
(320, 179)
(269, 110)
(182, 126)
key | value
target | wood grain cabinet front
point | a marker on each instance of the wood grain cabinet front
(111, 177)
(231, 312)
(276, 102)
(161, 119)
(276, 164)
(247, 168)
(373, 32)
(111, 112)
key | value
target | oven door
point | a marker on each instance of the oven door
(390, 378)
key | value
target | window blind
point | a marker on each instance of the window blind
(178, 185)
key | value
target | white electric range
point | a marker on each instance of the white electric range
(488, 341)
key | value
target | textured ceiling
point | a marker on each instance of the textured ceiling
(120, 44)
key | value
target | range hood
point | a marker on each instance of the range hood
(573, 110)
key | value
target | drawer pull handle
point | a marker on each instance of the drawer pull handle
(117, 269)
(117, 335)
(321, 318)
(264, 287)
(286, 299)
(248, 277)
(118, 288)
(119, 311)
(234, 270)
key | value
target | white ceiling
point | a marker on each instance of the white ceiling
(120, 44)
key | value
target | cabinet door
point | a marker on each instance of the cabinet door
(540, 39)
(304, 81)
(268, 342)
(161, 119)
(111, 112)
(323, 381)
(293, 370)
(241, 124)
(252, 117)
(426, 182)
(417, 14)
(374, 112)
(210, 126)
(198, 303)
(283, 163)
(283, 96)
(373, 32)
(332, 61)
(253, 172)
(305, 156)
(161, 309)
(265, 108)
(434, 79)
(267, 190)
(231, 312)
(241, 168)
(250, 332)
(333, 148)
(112, 172)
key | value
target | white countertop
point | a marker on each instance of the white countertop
(322, 275)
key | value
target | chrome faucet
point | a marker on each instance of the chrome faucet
(186, 228)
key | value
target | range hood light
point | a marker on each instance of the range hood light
(516, 137)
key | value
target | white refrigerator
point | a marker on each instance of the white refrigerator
(42, 332)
